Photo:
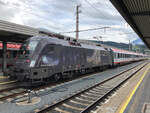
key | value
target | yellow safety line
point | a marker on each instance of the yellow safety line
(3, 83)
(126, 102)
(1, 77)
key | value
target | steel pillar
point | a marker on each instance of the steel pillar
(4, 65)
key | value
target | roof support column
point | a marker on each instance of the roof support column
(4, 65)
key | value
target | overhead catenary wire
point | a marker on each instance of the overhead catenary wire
(45, 18)
(99, 11)
(86, 30)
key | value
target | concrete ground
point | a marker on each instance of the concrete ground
(120, 102)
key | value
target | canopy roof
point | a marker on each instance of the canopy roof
(137, 14)
(11, 32)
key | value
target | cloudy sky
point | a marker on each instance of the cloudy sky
(59, 16)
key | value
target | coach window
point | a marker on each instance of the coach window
(119, 56)
(114, 55)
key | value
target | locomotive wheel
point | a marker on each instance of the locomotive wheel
(57, 77)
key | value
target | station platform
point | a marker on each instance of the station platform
(3, 79)
(140, 101)
(132, 97)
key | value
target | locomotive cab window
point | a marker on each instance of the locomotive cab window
(28, 47)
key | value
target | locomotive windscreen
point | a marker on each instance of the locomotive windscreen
(28, 47)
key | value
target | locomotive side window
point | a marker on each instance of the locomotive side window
(49, 58)
(103, 53)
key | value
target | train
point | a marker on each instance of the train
(45, 59)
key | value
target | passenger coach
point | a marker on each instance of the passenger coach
(124, 56)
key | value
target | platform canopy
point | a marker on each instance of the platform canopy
(137, 14)
(11, 32)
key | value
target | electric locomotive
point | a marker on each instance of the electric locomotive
(43, 58)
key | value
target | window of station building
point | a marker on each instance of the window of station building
(1, 53)
(8, 54)
(14, 54)
(11, 54)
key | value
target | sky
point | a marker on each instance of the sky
(60, 16)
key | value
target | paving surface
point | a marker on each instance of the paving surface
(121, 95)
(140, 102)
(51, 95)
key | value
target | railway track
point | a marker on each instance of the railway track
(12, 92)
(8, 82)
(85, 100)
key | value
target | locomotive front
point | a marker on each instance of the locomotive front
(25, 59)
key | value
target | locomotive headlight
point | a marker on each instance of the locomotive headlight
(32, 63)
